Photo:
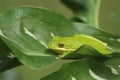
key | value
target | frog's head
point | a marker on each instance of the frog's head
(59, 45)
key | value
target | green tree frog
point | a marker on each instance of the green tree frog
(65, 45)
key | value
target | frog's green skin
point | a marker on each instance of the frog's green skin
(65, 45)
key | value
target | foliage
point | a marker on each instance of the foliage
(26, 31)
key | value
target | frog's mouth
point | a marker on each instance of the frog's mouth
(60, 51)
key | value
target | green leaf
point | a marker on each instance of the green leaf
(27, 31)
(85, 10)
(83, 52)
(114, 64)
(84, 69)
(89, 30)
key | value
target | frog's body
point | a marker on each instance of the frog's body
(66, 45)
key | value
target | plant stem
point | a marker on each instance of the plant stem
(91, 14)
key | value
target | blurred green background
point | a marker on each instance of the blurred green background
(109, 21)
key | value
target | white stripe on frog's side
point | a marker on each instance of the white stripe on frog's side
(63, 49)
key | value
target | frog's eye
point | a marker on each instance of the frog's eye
(61, 45)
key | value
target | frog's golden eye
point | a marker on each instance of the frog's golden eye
(61, 45)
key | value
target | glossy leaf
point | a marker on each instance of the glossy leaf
(27, 31)
(114, 63)
(84, 69)
(83, 52)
